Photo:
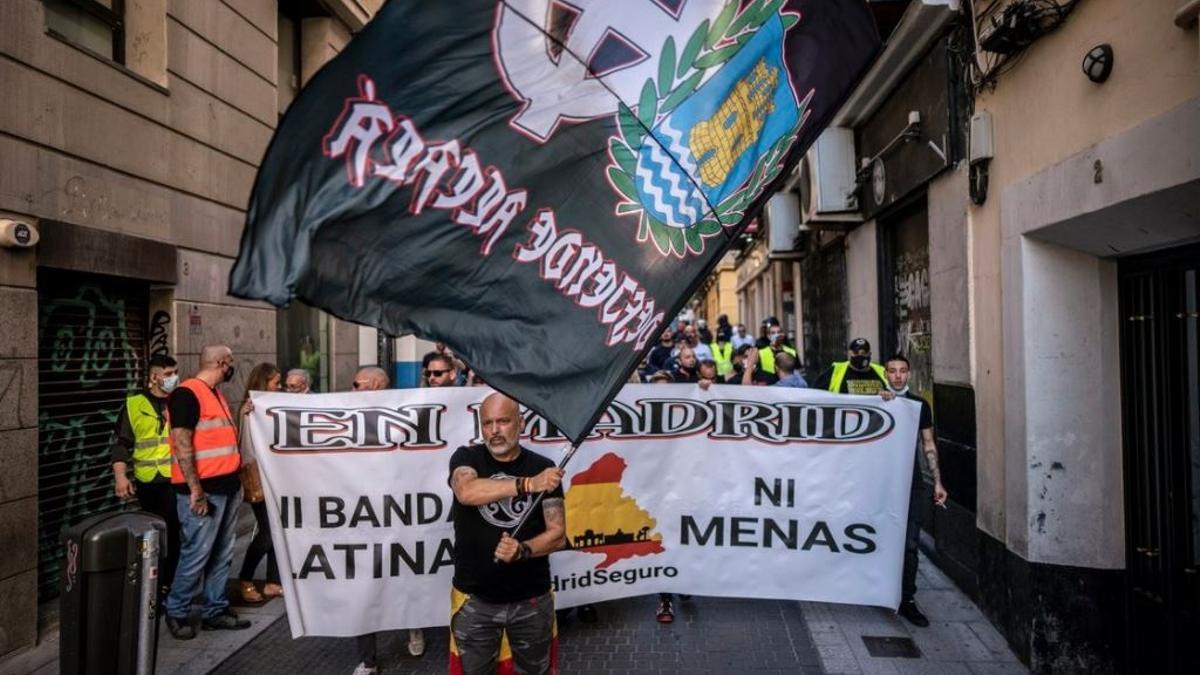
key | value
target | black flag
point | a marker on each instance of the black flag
(541, 184)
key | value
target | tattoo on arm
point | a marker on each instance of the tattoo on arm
(185, 454)
(461, 476)
(929, 447)
(556, 519)
(554, 513)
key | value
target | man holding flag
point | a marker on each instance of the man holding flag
(540, 185)
(501, 605)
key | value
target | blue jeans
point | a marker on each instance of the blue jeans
(206, 550)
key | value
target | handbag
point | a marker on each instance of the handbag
(252, 490)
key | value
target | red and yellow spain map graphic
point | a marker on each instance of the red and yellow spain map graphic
(602, 519)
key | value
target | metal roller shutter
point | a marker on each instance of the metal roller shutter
(91, 351)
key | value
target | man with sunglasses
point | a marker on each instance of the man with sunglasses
(440, 371)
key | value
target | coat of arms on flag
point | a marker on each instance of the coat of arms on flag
(541, 184)
(713, 144)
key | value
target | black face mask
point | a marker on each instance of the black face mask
(860, 362)
(229, 373)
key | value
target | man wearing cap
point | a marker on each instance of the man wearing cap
(856, 375)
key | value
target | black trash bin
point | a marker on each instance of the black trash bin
(109, 603)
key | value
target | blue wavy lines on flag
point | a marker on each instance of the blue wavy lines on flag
(663, 183)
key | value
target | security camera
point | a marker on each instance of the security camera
(17, 233)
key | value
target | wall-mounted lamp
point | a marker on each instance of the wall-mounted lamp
(1098, 63)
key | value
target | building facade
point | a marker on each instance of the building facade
(1018, 215)
(131, 133)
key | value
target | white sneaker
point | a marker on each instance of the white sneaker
(364, 669)
(416, 642)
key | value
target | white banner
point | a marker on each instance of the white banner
(753, 492)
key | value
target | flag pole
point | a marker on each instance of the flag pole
(571, 448)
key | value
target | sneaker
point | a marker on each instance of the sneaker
(181, 629)
(364, 669)
(226, 620)
(666, 613)
(416, 642)
(909, 610)
(588, 614)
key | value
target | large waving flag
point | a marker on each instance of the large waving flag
(541, 184)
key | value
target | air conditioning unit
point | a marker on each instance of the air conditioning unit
(826, 181)
(783, 221)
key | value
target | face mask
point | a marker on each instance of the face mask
(169, 383)
(860, 362)
(777, 337)
(229, 373)
(898, 392)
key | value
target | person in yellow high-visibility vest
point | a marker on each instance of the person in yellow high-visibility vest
(722, 352)
(856, 375)
(141, 454)
(776, 344)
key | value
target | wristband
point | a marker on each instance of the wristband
(525, 553)
(520, 483)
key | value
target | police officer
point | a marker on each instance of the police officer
(775, 345)
(142, 444)
(856, 375)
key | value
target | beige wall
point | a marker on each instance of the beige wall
(1156, 70)
(862, 283)
(164, 148)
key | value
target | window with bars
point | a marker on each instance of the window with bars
(95, 25)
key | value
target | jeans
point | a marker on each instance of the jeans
(918, 497)
(206, 551)
(260, 546)
(529, 624)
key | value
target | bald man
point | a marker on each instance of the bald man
(501, 582)
(205, 467)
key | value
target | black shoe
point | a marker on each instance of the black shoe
(666, 613)
(587, 614)
(181, 629)
(909, 610)
(225, 621)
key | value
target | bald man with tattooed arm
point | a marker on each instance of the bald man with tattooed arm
(501, 582)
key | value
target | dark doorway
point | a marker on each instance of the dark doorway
(1160, 377)
(906, 313)
(91, 350)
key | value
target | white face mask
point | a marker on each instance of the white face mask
(898, 392)
(168, 384)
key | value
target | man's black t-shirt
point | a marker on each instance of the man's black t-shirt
(477, 530)
(926, 411)
(185, 413)
(925, 423)
(863, 382)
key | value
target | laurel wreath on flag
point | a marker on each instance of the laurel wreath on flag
(710, 46)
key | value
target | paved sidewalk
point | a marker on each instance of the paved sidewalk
(958, 640)
(710, 635)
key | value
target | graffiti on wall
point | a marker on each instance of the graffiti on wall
(90, 348)
(160, 334)
(914, 336)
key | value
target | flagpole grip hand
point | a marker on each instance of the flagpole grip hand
(547, 481)
(507, 549)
